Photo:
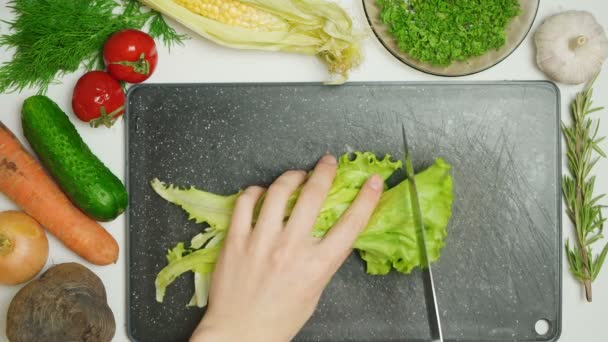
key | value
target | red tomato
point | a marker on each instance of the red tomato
(130, 56)
(98, 99)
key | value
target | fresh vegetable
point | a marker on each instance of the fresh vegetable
(24, 182)
(23, 247)
(582, 207)
(389, 240)
(98, 99)
(67, 303)
(130, 56)
(83, 177)
(313, 27)
(440, 32)
(571, 47)
(56, 37)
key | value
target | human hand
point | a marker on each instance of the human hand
(269, 278)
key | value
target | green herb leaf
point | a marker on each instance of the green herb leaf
(160, 29)
(599, 261)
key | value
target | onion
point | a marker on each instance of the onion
(24, 247)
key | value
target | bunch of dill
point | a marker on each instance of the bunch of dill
(51, 38)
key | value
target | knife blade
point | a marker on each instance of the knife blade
(427, 272)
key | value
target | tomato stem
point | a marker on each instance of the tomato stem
(6, 245)
(106, 119)
(141, 66)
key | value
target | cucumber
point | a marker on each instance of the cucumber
(81, 175)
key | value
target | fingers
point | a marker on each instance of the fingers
(242, 215)
(312, 197)
(338, 242)
(275, 204)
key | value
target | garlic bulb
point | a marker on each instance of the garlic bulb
(571, 47)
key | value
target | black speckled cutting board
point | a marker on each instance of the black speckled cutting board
(500, 270)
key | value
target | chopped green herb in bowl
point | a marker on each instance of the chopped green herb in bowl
(440, 32)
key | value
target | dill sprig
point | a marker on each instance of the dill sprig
(160, 29)
(51, 38)
(583, 209)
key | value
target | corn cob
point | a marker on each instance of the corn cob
(235, 13)
(314, 27)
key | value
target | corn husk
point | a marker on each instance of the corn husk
(313, 27)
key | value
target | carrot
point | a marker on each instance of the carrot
(24, 181)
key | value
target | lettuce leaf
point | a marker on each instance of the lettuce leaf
(388, 241)
(201, 206)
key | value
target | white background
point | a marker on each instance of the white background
(202, 61)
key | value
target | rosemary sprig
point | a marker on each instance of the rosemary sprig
(51, 38)
(583, 209)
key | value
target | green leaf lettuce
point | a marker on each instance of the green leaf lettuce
(388, 241)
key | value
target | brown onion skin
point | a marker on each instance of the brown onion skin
(25, 247)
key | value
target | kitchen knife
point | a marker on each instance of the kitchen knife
(427, 273)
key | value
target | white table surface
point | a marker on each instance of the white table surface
(202, 61)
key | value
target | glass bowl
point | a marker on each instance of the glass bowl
(516, 32)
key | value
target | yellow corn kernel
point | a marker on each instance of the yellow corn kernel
(233, 12)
